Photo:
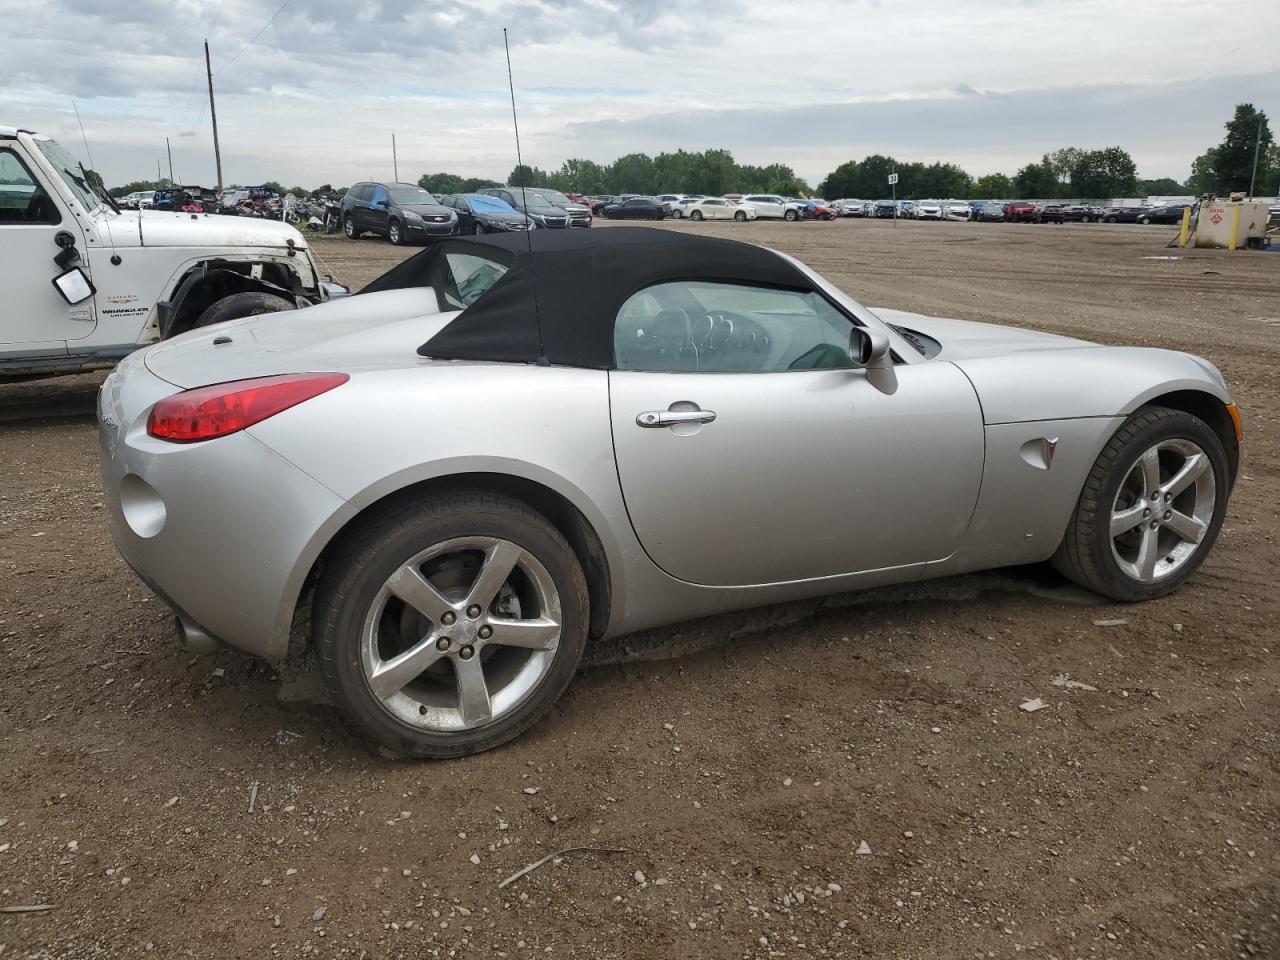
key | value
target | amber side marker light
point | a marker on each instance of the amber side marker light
(207, 413)
(1236, 421)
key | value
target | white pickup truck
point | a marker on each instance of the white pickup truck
(86, 283)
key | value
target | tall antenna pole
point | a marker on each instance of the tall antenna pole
(524, 202)
(1256, 144)
(395, 164)
(158, 176)
(213, 115)
(169, 150)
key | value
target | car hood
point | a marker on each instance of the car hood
(502, 216)
(427, 209)
(963, 339)
(162, 228)
(375, 331)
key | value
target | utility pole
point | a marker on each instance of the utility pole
(158, 176)
(213, 115)
(169, 150)
(1256, 144)
(395, 164)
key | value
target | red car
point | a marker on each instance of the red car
(1020, 211)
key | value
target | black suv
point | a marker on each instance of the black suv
(401, 212)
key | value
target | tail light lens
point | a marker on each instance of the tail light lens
(206, 413)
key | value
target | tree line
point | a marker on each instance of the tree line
(1068, 172)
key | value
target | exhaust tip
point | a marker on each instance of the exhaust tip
(194, 637)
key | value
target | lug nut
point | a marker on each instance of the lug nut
(442, 644)
(466, 653)
(448, 619)
(1155, 524)
(1168, 496)
(473, 611)
(1145, 514)
(1168, 514)
(485, 632)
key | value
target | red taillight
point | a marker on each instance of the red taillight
(222, 408)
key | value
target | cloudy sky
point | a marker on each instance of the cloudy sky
(989, 84)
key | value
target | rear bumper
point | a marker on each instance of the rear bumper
(223, 531)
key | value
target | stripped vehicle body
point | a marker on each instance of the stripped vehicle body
(707, 426)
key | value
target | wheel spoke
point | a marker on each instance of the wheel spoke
(540, 634)
(389, 677)
(1122, 521)
(1191, 471)
(412, 587)
(499, 561)
(1150, 464)
(1148, 554)
(473, 691)
(1187, 527)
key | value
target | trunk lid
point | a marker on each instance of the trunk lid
(373, 331)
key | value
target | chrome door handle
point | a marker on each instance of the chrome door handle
(667, 418)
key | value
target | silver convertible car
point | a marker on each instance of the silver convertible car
(508, 447)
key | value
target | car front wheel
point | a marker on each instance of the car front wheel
(1151, 507)
(349, 227)
(791, 216)
(394, 233)
(740, 216)
(696, 215)
(450, 625)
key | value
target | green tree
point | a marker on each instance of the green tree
(1036, 181)
(1161, 187)
(523, 175)
(582, 176)
(1229, 166)
(938, 181)
(866, 179)
(993, 186)
(472, 184)
(1248, 133)
(275, 187)
(1063, 162)
(1204, 178)
(632, 173)
(1102, 174)
(137, 186)
(441, 183)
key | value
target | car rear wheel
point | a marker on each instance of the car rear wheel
(1151, 507)
(791, 215)
(676, 213)
(1145, 220)
(451, 625)
(476, 228)
(349, 227)
(240, 305)
(696, 215)
(395, 233)
(740, 216)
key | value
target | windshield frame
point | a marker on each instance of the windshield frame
(58, 157)
(431, 198)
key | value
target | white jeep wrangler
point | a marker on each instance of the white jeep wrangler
(85, 283)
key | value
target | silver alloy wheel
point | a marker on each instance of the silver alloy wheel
(1162, 510)
(461, 634)
(394, 232)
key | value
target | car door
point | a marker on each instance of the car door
(376, 209)
(751, 451)
(35, 319)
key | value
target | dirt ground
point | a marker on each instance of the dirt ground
(171, 805)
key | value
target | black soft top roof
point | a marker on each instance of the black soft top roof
(574, 282)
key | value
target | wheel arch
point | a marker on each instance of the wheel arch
(558, 509)
(211, 280)
(1213, 411)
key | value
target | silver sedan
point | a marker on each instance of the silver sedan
(461, 476)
